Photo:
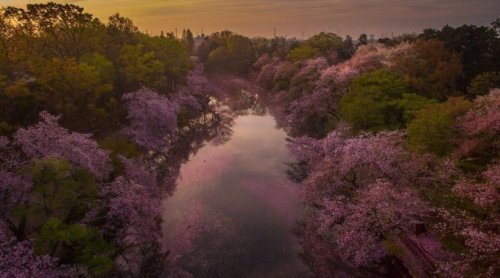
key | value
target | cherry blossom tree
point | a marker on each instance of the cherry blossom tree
(314, 112)
(194, 96)
(17, 259)
(310, 70)
(152, 117)
(49, 139)
(367, 58)
(355, 162)
(481, 125)
(265, 76)
(132, 217)
(484, 194)
(362, 192)
(132, 212)
(379, 210)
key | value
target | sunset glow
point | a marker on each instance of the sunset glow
(293, 18)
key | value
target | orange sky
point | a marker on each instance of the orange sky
(292, 17)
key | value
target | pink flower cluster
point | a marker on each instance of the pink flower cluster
(481, 124)
(484, 194)
(18, 260)
(49, 139)
(152, 117)
(364, 186)
(133, 212)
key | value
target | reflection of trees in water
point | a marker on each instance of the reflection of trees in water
(240, 95)
(297, 171)
(222, 131)
(214, 126)
(244, 103)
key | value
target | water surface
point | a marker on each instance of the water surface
(233, 210)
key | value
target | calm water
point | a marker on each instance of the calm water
(233, 210)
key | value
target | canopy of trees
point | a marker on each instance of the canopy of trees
(226, 52)
(397, 151)
(61, 59)
(74, 204)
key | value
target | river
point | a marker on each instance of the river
(234, 208)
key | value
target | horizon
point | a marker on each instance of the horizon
(299, 19)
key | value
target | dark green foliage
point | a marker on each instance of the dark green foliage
(363, 39)
(119, 146)
(429, 69)
(59, 191)
(410, 104)
(433, 129)
(75, 244)
(61, 59)
(188, 40)
(479, 47)
(348, 47)
(303, 52)
(234, 54)
(378, 101)
(328, 45)
(483, 83)
(5, 129)
(441, 195)
(58, 201)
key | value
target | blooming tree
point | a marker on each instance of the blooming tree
(362, 189)
(310, 70)
(379, 210)
(484, 194)
(153, 119)
(132, 213)
(481, 125)
(17, 259)
(49, 139)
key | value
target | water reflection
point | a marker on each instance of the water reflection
(233, 207)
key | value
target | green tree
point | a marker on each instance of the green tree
(74, 89)
(478, 46)
(303, 52)
(61, 86)
(56, 30)
(175, 59)
(328, 45)
(187, 38)
(120, 31)
(261, 45)
(59, 58)
(433, 129)
(140, 67)
(56, 204)
(363, 39)
(59, 191)
(372, 102)
(410, 104)
(429, 69)
(483, 83)
(75, 244)
(234, 54)
(348, 47)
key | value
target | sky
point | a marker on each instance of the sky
(292, 18)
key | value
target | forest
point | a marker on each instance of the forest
(395, 142)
